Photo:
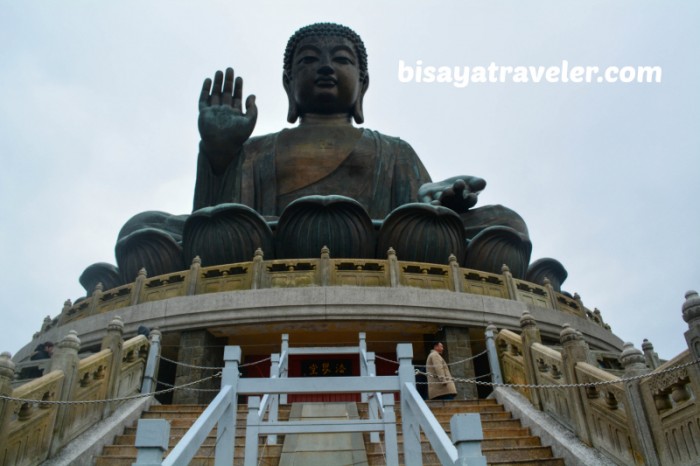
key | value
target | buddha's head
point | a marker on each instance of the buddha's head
(325, 72)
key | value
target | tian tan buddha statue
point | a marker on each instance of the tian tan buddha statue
(323, 182)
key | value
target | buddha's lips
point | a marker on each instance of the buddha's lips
(326, 82)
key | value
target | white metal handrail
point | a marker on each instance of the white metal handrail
(152, 434)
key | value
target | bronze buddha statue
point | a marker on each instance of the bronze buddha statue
(325, 156)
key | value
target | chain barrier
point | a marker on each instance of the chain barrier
(182, 387)
(564, 385)
(453, 379)
(471, 358)
(111, 400)
(254, 362)
(191, 366)
(209, 368)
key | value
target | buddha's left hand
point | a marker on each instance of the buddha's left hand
(458, 193)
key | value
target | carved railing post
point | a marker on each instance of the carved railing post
(325, 266)
(575, 350)
(46, 324)
(509, 282)
(551, 293)
(581, 308)
(530, 334)
(7, 375)
(492, 353)
(258, 270)
(138, 286)
(394, 271)
(691, 314)
(95, 302)
(113, 341)
(67, 304)
(193, 277)
(456, 273)
(650, 356)
(632, 360)
(150, 375)
(65, 359)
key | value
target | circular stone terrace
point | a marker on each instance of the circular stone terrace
(278, 295)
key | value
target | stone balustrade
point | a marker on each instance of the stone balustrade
(324, 271)
(642, 415)
(33, 431)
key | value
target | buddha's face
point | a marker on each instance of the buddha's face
(325, 76)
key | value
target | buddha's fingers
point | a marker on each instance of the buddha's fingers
(251, 110)
(205, 94)
(216, 89)
(237, 92)
(227, 96)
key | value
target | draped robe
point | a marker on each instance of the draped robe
(381, 173)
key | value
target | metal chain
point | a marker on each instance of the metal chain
(191, 366)
(126, 398)
(569, 385)
(385, 359)
(471, 358)
(449, 364)
(255, 362)
(208, 368)
(166, 384)
(454, 379)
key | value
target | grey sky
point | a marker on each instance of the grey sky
(99, 108)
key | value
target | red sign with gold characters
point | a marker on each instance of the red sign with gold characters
(326, 367)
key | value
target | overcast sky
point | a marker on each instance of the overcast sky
(98, 111)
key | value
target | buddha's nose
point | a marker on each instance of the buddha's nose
(325, 69)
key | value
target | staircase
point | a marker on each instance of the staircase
(181, 418)
(506, 442)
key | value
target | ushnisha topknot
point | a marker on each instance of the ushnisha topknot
(326, 30)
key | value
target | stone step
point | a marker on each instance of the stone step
(444, 418)
(174, 439)
(430, 458)
(204, 451)
(495, 444)
(536, 462)
(491, 433)
(177, 407)
(187, 415)
(517, 454)
(468, 409)
(196, 461)
(505, 443)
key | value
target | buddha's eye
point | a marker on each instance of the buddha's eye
(307, 59)
(343, 60)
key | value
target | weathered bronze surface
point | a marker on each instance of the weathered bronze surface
(325, 77)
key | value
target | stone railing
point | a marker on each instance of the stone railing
(324, 271)
(645, 415)
(672, 408)
(34, 431)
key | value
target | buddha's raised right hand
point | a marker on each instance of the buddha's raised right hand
(223, 126)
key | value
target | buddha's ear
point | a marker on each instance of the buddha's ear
(357, 112)
(293, 111)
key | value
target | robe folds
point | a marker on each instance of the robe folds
(381, 173)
